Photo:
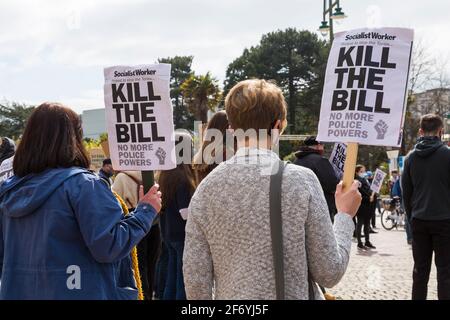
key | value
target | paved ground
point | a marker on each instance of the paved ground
(384, 273)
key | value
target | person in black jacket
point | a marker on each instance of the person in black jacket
(310, 156)
(426, 194)
(364, 212)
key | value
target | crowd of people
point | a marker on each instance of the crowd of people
(206, 229)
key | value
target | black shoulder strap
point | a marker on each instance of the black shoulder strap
(276, 229)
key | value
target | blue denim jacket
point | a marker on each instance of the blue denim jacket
(63, 236)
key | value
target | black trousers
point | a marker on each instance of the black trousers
(373, 217)
(429, 237)
(363, 220)
(148, 251)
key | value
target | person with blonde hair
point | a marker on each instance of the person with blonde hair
(230, 236)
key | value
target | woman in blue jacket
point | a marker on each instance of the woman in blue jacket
(62, 232)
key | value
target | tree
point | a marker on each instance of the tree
(296, 61)
(180, 71)
(426, 72)
(13, 118)
(201, 93)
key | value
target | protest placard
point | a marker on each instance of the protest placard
(337, 158)
(139, 117)
(364, 94)
(6, 169)
(377, 181)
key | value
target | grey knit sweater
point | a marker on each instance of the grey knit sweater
(228, 241)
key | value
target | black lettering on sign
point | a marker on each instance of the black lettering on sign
(134, 107)
(359, 71)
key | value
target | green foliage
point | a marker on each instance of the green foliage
(290, 157)
(90, 143)
(201, 93)
(13, 119)
(103, 137)
(296, 61)
(371, 157)
(288, 148)
(180, 71)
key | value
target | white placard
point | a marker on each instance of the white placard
(364, 95)
(139, 117)
(337, 158)
(377, 181)
(6, 169)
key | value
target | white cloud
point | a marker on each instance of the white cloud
(52, 49)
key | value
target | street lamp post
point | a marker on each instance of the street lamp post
(326, 26)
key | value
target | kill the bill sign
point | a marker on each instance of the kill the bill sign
(365, 88)
(139, 117)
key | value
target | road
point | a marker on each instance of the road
(384, 273)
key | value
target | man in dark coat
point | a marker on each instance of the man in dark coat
(310, 156)
(106, 172)
(426, 196)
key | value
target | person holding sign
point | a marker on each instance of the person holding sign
(365, 89)
(228, 231)
(64, 235)
(364, 211)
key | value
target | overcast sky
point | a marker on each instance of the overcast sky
(53, 50)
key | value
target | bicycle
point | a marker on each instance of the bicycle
(393, 214)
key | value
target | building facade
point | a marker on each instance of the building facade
(94, 123)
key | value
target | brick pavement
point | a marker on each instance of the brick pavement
(384, 273)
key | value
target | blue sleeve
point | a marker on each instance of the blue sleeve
(396, 191)
(108, 235)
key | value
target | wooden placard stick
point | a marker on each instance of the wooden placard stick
(350, 164)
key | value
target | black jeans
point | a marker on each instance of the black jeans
(148, 251)
(373, 217)
(429, 237)
(363, 221)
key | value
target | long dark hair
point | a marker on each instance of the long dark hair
(170, 180)
(52, 138)
(220, 122)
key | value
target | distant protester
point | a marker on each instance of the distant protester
(310, 156)
(365, 210)
(106, 172)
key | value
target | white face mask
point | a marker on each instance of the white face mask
(361, 175)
